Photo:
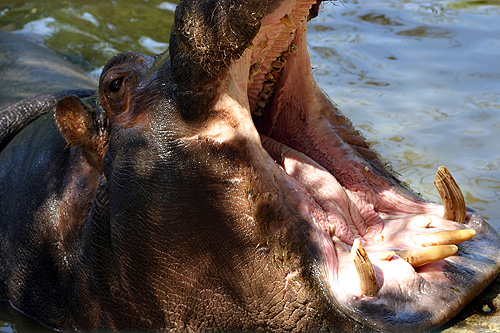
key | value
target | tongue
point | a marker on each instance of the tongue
(346, 213)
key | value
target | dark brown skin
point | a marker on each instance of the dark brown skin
(115, 272)
(111, 259)
(151, 206)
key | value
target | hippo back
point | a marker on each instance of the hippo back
(33, 78)
(28, 69)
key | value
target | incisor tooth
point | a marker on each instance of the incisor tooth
(446, 237)
(386, 255)
(453, 199)
(426, 255)
(366, 273)
(287, 21)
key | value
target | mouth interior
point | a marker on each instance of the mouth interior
(349, 198)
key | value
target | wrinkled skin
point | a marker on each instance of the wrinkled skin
(173, 208)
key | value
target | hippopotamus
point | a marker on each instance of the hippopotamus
(216, 187)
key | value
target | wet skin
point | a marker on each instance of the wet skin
(216, 187)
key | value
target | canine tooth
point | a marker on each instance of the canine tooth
(426, 255)
(446, 237)
(287, 21)
(366, 273)
(453, 199)
(255, 69)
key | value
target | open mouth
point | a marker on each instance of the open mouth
(389, 258)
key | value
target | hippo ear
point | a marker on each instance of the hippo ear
(81, 126)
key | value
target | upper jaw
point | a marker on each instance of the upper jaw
(303, 134)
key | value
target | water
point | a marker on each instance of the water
(88, 33)
(421, 79)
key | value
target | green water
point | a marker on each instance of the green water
(421, 79)
(88, 33)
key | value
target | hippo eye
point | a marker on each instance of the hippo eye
(116, 84)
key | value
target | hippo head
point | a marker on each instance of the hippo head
(234, 194)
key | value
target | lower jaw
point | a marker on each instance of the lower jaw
(369, 205)
(409, 298)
